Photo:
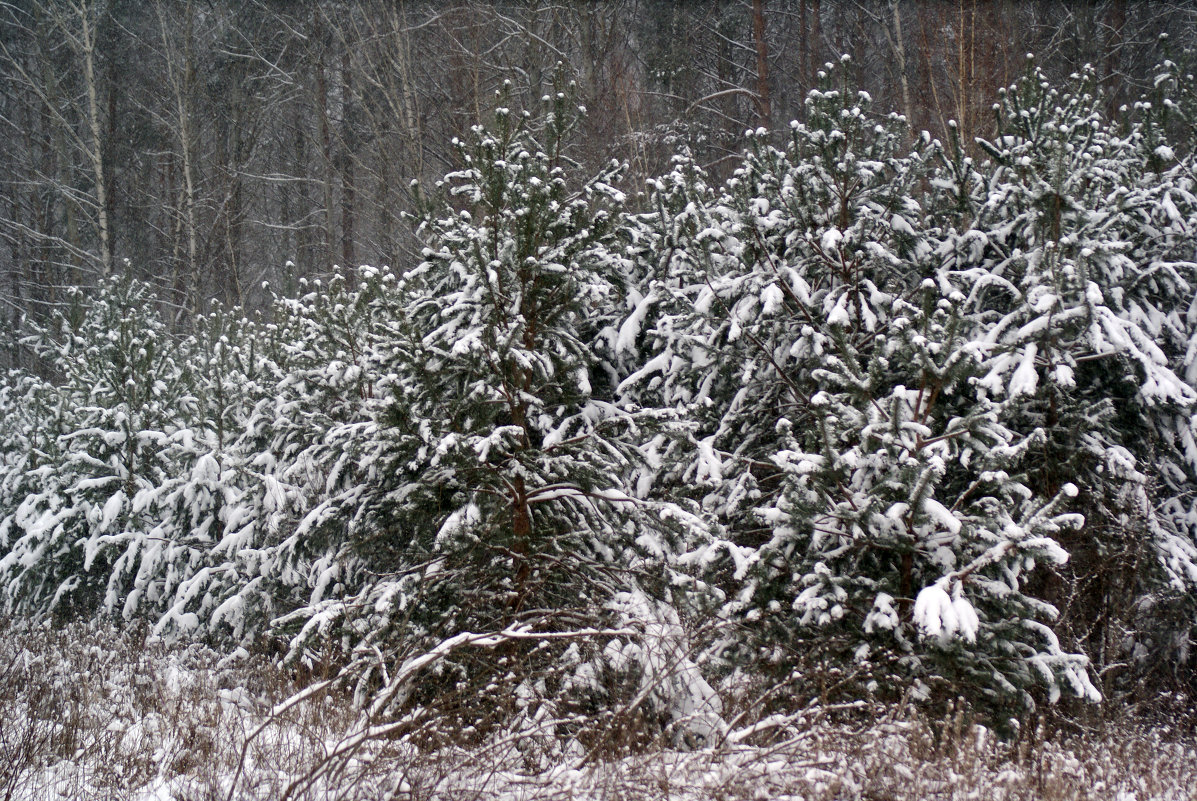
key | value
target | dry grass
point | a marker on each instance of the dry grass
(90, 713)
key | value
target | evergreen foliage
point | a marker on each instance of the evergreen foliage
(94, 437)
(923, 416)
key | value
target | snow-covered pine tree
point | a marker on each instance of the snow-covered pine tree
(727, 267)
(494, 468)
(660, 343)
(1170, 106)
(1083, 237)
(164, 477)
(121, 387)
(272, 393)
(29, 422)
(1163, 135)
(180, 575)
(842, 443)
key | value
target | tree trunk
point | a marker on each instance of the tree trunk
(803, 48)
(87, 43)
(326, 151)
(899, 48)
(763, 105)
(182, 78)
(1116, 23)
(303, 233)
(521, 531)
(816, 40)
(348, 187)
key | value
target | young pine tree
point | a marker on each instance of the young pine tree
(494, 487)
(123, 386)
(874, 515)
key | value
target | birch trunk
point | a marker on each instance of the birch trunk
(899, 47)
(95, 153)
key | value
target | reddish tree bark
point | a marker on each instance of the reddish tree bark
(763, 106)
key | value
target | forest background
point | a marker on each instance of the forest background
(210, 146)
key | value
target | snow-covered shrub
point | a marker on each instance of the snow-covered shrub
(28, 442)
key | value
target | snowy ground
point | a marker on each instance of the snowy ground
(89, 714)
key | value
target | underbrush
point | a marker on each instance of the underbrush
(87, 712)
